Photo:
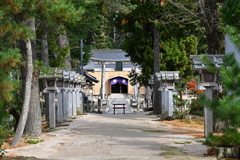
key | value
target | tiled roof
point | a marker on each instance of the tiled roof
(107, 54)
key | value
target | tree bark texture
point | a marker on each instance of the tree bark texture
(211, 24)
(33, 126)
(44, 50)
(156, 68)
(27, 95)
(62, 41)
(214, 39)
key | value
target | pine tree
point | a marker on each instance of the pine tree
(171, 52)
(227, 106)
(9, 59)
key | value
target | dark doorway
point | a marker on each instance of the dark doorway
(119, 88)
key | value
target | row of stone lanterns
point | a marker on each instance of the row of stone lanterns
(209, 82)
(63, 94)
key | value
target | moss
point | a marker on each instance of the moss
(33, 140)
(197, 122)
(186, 142)
(185, 121)
(54, 129)
(153, 131)
(51, 135)
(47, 126)
(170, 152)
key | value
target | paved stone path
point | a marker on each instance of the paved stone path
(115, 137)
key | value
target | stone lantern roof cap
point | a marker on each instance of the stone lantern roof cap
(76, 77)
(168, 75)
(197, 63)
(71, 77)
(56, 73)
(66, 74)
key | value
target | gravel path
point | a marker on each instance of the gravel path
(135, 136)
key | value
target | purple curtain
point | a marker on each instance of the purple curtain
(118, 80)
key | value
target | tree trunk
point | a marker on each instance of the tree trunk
(44, 50)
(33, 126)
(34, 122)
(156, 68)
(62, 41)
(27, 95)
(214, 39)
(16, 116)
(211, 24)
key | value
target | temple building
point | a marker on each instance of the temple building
(111, 67)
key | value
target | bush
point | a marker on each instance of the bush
(196, 107)
(3, 136)
(230, 137)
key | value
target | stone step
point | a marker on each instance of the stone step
(118, 95)
(119, 100)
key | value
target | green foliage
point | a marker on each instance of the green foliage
(231, 13)
(3, 136)
(186, 142)
(93, 28)
(227, 106)
(2, 152)
(176, 51)
(231, 137)
(178, 101)
(52, 16)
(153, 131)
(177, 40)
(196, 107)
(34, 140)
(233, 32)
(8, 85)
(179, 115)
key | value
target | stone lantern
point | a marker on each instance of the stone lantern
(151, 81)
(167, 79)
(74, 93)
(209, 82)
(167, 85)
(79, 108)
(65, 90)
(83, 87)
(70, 93)
(149, 91)
(52, 80)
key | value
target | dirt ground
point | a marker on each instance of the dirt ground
(180, 126)
(106, 136)
(193, 127)
(23, 142)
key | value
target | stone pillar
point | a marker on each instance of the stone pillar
(99, 105)
(46, 98)
(52, 109)
(74, 103)
(167, 103)
(81, 101)
(148, 96)
(91, 98)
(83, 107)
(208, 115)
(70, 101)
(65, 104)
(102, 92)
(60, 108)
(78, 102)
